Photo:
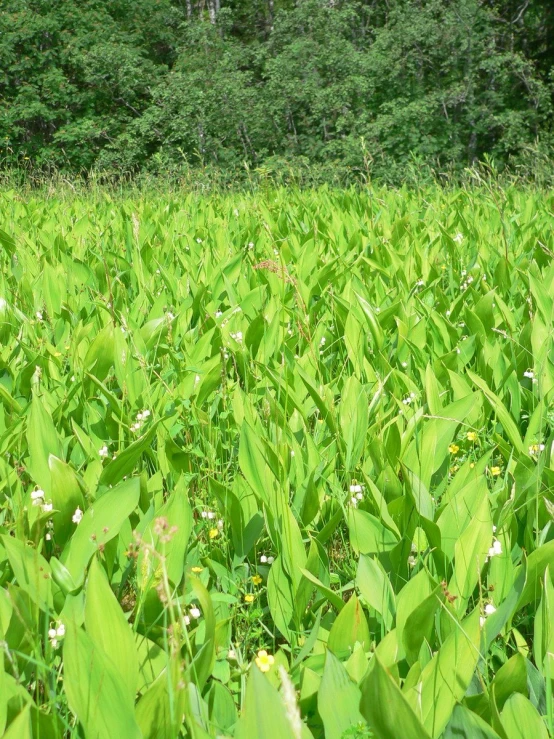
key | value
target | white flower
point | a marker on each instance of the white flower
(47, 507)
(322, 341)
(218, 313)
(407, 400)
(458, 351)
(420, 283)
(529, 373)
(204, 514)
(103, 452)
(231, 654)
(51, 633)
(360, 496)
(482, 620)
(495, 549)
(270, 560)
(195, 612)
(489, 609)
(169, 315)
(196, 379)
(404, 364)
(37, 494)
(3, 304)
(186, 619)
(263, 559)
(60, 631)
(211, 515)
(38, 314)
(198, 241)
(354, 502)
(237, 336)
(355, 488)
(220, 524)
(77, 516)
(72, 378)
(292, 452)
(48, 537)
(458, 238)
(412, 561)
(447, 313)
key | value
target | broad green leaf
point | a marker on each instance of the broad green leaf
(338, 699)
(95, 690)
(385, 708)
(349, 627)
(109, 629)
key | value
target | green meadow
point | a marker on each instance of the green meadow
(277, 465)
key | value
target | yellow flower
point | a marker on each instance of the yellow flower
(496, 471)
(264, 660)
(256, 579)
(472, 465)
(213, 533)
(453, 449)
(196, 569)
(249, 598)
(471, 436)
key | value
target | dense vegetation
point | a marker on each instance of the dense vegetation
(345, 88)
(277, 466)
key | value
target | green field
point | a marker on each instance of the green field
(277, 465)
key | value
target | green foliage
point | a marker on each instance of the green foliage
(277, 464)
(332, 91)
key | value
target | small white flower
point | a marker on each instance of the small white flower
(211, 515)
(489, 609)
(407, 400)
(412, 561)
(463, 273)
(37, 494)
(263, 559)
(447, 313)
(38, 314)
(322, 341)
(292, 452)
(186, 619)
(72, 378)
(420, 283)
(3, 304)
(198, 241)
(270, 560)
(482, 620)
(48, 537)
(77, 516)
(169, 315)
(458, 351)
(204, 514)
(493, 529)
(220, 524)
(195, 612)
(103, 452)
(231, 654)
(495, 549)
(404, 364)
(529, 373)
(250, 244)
(458, 238)
(197, 379)
(47, 507)
(51, 633)
(355, 488)
(60, 631)
(237, 336)
(354, 502)
(360, 496)
(218, 313)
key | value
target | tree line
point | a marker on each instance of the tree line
(348, 87)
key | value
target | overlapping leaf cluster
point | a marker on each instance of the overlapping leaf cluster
(277, 465)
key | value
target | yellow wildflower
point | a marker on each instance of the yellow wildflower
(213, 533)
(453, 449)
(264, 660)
(249, 598)
(196, 569)
(256, 579)
(496, 471)
(471, 436)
